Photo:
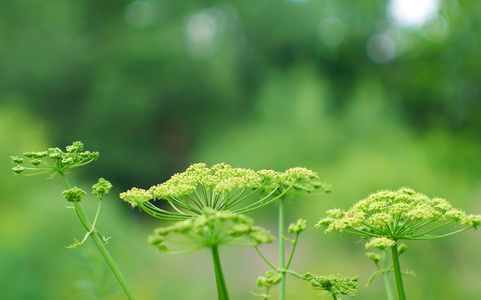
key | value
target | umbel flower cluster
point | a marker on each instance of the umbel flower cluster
(388, 216)
(334, 284)
(221, 187)
(210, 229)
(53, 160)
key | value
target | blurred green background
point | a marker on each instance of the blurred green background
(369, 94)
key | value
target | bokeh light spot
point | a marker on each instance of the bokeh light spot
(412, 13)
(332, 31)
(381, 48)
(139, 14)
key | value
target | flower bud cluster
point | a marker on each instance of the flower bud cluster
(210, 229)
(334, 284)
(54, 160)
(101, 187)
(271, 279)
(214, 187)
(387, 216)
(74, 194)
(298, 227)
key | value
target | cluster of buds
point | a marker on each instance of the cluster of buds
(53, 160)
(388, 216)
(221, 187)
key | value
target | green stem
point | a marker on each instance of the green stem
(387, 281)
(334, 296)
(219, 277)
(282, 259)
(398, 273)
(264, 258)
(100, 244)
(292, 251)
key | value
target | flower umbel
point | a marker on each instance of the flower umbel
(54, 160)
(388, 216)
(221, 187)
(334, 284)
(212, 228)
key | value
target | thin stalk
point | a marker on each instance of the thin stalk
(334, 296)
(292, 251)
(385, 275)
(282, 258)
(398, 273)
(100, 243)
(219, 277)
(264, 258)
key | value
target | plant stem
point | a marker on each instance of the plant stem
(113, 266)
(334, 296)
(397, 273)
(100, 243)
(282, 259)
(219, 277)
(385, 275)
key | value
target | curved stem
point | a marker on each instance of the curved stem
(219, 277)
(292, 251)
(398, 273)
(100, 243)
(264, 258)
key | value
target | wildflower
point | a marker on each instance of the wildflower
(74, 194)
(297, 227)
(380, 243)
(221, 187)
(212, 228)
(388, 216)
(334, 284)
(54, 160)
(101, 187)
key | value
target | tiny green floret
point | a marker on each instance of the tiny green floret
(221, 187)
(334, 284)
(297, 227)
(388, 216)
(381, 243)
(101, 187)
(74, 194)
(212, 228)
(54, 160)
(271, 279)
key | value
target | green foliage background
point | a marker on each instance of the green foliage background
(257, 84)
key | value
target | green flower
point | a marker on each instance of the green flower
(271, 279)
(54, 160)
(334, 284)
(101, 187)
(221, 187)
(388, 216)
(212, 228)
(298, 227)
(74, 194)
(380, 243)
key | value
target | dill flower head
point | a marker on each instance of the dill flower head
(221, 187)
(101, 187)
(53, 160)
(296, 179)
(334, 284)
(74, 194)
(210, 229)
(271, 279)
(387, 216)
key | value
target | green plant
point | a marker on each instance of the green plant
(209, 206)
(387, 217)
(54, 161)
